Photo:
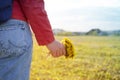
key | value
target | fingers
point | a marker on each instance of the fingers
(56, 49)
(57, 53)
(60, 51)
(63, 50)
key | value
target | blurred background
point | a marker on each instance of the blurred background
(84, 15)
(93, 26)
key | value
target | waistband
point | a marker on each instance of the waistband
(13, 22)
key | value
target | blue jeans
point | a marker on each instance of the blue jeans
(15, 50)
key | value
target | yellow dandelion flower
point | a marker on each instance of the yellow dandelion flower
(69, 48)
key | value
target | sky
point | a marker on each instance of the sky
(83, 15)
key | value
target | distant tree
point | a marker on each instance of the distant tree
(94, 32)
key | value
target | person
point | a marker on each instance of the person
(16, 39)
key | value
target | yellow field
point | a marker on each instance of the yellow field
(96, 58)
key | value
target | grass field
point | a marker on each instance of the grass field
(96, 58)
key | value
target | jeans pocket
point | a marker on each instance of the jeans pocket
(15, 40)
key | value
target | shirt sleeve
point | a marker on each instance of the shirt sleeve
(37, 17)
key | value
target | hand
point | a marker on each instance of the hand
(56, 49)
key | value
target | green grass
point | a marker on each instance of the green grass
(96, 58)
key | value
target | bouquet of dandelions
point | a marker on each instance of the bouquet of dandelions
(69, 48)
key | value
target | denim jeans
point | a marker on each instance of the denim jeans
(15, 50)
